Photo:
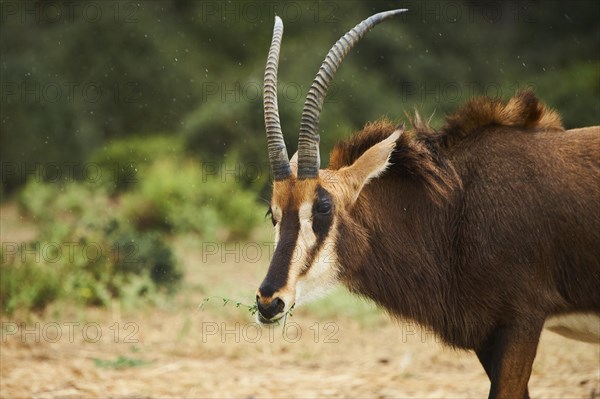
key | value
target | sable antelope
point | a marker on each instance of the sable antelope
(481, 231)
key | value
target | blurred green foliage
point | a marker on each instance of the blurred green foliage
(108, 238)
(85, 252)
(121, 162)
(77, 74)
(174, 195)
(161, 188)
(29, 286)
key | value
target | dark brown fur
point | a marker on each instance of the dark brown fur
(480, 230)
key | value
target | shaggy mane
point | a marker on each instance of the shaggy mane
(415, 157)
(523, 111)
(417, 153)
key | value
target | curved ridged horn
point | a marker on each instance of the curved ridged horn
(278, 156)
(308, 142)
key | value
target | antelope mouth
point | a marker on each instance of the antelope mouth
(272, 319)
(264, 320)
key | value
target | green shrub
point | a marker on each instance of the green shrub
(146, 254)
(83, 252)
(49, 202)
(176, 196)
(27, 286)
(123, 162)
(35, 197)
(98, 243)
(89, 266)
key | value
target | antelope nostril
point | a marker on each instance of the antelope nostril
(271, 309)
(278, 304)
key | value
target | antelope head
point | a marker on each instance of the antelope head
(307, 203)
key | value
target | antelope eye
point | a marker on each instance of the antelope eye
(324, 207)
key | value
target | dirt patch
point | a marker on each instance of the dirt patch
(14, 228)
(187, 354)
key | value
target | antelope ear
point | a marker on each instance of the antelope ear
(368, 166)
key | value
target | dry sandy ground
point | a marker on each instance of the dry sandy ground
(177, 350)
(181, 359)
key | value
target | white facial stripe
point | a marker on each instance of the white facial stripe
(304, 243)
(307, 236)
(322, 275)
(306, 240)
(305, 211)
